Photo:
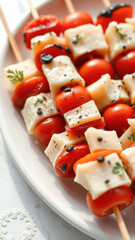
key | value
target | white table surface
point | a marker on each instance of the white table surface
(23, 215)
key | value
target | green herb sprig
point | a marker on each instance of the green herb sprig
(132, 136)
(15, 76)
(39, 100)
(122, 35)
(118, 169)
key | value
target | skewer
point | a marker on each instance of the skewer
(11, 39)
(106, 3)
(70, 6)
(33, 10)
(120, 221)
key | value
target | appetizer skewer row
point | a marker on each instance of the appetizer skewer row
(67, 141)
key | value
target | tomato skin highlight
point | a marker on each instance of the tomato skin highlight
(125, 63)
(28, 88)
(67, 159)
(71, 97)
(93, 69)
(44, 130)
(115, 117)
(103, 206)
(80, 130)
(76, 19)
(40, 26)
(119, 15)
(54, 50)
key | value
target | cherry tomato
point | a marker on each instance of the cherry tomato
(65, 161)
(125, 63)
(93, 69)
(79, 130)
(116, 115)
(133, 187)
(45, 129)
(40, 26)
(76, 19)
(71, 97)
(29, 87)
(103, 206)
(118, 13)
(54, 50)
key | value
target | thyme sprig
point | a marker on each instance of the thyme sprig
(118, 169)
(122, 35)
(15, 76)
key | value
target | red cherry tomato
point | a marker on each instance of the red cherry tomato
(103, 206)
(40, 26)
(65, 161)
(76, 19)
(116, 115)
(118, 13)
(79, 130)
(125, 63)
(54, 50)
(71, 97)
(29, 87)
(93, 69)
(45, 129)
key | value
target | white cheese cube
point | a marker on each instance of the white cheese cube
(82, 114)
(37, 108)
(61, 72)
(120, 38)
(98, 178)
(128, 157)
(58, 143)
(27, 67)
(39, 42)
(131, 122)
(85, 39)
(99, 139)
(127, 138)
(129, 84)
(106, 91)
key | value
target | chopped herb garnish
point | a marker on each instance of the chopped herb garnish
(77, 38)
(15, 76)
(133, 106)
(122, 35)
(39, 100)
(132, 136)
(118, 169)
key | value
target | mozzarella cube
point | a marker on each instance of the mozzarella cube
(127, 138)
(37, 108)
(106, 91)
(129, 84)
(99, 139)
(61, 72)
(82, 114)
(131, 122)
(27, 67)
(59, 143)
(98, 178)
(39, 42)
(128, 157)
(120, 37)
(85, 39)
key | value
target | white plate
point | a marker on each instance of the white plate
(62, 195)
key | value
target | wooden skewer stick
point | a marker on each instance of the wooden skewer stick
(11, 39)
(33, 10)
(70, 6)
(121, 223)
(106, 3)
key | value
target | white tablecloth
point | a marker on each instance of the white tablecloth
(23, 215)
